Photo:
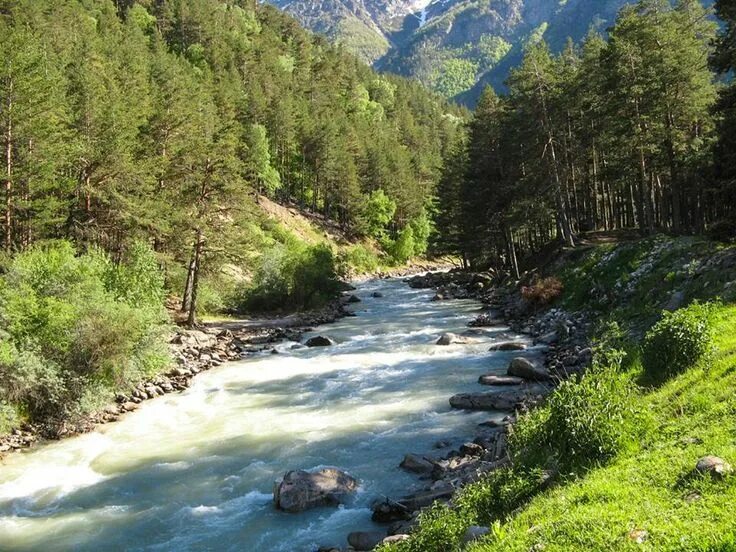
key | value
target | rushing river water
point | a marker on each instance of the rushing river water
(195, 470)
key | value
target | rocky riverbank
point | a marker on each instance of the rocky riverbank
(192, 352)
(561, 349)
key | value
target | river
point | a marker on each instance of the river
(195, 470)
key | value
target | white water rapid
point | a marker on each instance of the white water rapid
(195, 470)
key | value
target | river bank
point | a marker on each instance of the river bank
(196, 351)
(555, 346)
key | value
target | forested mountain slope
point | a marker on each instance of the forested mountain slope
(452, 45)
(136, 138)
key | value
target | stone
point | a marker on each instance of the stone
(393, 539)
(450, 339)
(319, 341)
(474, 532)
(301, 490)
(676, 300)
(493, 379)
(416, 464)
(197, 339)
(377, 295)
(549, 338)
(471, 449)
(716, 467)
(365, 540)
(524, 368)
(353, 299)
(639, 536)
(508, 346)
(503, 400)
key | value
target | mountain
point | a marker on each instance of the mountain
(453, 46)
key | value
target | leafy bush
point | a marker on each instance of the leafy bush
(358, 259)
(440, 530)
(497, 494)
(71, 322)
(401, 249)
(678, 341)
(377, 213)
(293, 275)
(584, 421)
(542, 292)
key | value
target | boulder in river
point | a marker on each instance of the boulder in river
(417, 464)
(494, 379)
(365, 540)
(504, 400)
(301, 490)
(451, 339)
(319, 341)
(353, 299)
(377, 295)
(526, 369)
(509, 346)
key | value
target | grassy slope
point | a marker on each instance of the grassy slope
(648, 489)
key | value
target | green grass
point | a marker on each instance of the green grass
(647, 489)
(651, 490)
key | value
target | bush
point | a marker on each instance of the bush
(584, 421)
(293, 276)
(440, 529)
(358, 259)
(678, 341)
(542, 292)
(72, 322)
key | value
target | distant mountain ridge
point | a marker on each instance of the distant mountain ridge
(453, 46)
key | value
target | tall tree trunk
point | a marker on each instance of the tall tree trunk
(8, 222)
(192, 317)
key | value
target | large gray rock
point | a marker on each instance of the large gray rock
(526, 369)
(508, 346)
(301, 490)
(319, 341)
(451, 339)
(197, 339)
(504, 400)
(365, 540)
(494, 379)
(417, 464)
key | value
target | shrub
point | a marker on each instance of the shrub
(74, 322)
(401, 249)
(497, 494)
(542, 292)
(440, 529)
(584, 421)
(678, 341)
(358, 259)
(293, 275)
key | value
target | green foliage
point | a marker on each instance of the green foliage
(293, 275)
(358, 259)
(403, 247)
(70, 322)
(678, 341)
(455, 76)
(441, 530)
(584, 421)
(378, 212)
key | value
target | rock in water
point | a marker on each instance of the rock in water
(450, 339)
(365, 540)
(417, 464)
(353, 299)
(301, 490)
(377, 295)
(493, 379)
(319, 341)
(509, 346)
(524, 368)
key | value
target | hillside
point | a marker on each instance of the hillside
(453, 46)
